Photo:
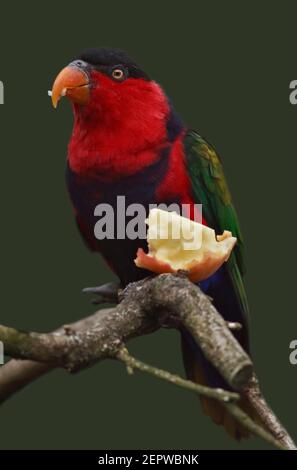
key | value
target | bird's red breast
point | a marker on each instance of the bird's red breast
(114, 136)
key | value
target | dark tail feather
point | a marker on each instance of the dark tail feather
(200, 371)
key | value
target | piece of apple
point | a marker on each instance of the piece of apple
(177, 243)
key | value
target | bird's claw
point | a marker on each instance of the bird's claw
(106, 293)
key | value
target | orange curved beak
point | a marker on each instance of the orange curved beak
(72, 82)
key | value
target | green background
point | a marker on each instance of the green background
(227, 67)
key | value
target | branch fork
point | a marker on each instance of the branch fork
(143, 308)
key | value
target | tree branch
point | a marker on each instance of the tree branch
(219, 394)
(16, 374)
(254, 396)
(143, 309)
(228, 399)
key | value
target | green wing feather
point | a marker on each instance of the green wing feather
(210, 189)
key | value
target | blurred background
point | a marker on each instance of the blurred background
(227, 68)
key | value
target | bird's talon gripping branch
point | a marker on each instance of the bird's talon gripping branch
(106, 293)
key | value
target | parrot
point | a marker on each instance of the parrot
(128, 140)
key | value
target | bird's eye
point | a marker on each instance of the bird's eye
(118, 74)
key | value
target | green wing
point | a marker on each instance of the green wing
(210, 189)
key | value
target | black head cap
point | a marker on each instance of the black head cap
(108, 57)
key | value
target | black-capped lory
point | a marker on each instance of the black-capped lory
(127, 140)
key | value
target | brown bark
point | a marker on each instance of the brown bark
(144, 308)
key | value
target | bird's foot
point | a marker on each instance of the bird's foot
(106, 293)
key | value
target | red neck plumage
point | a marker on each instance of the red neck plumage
(122, 134)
